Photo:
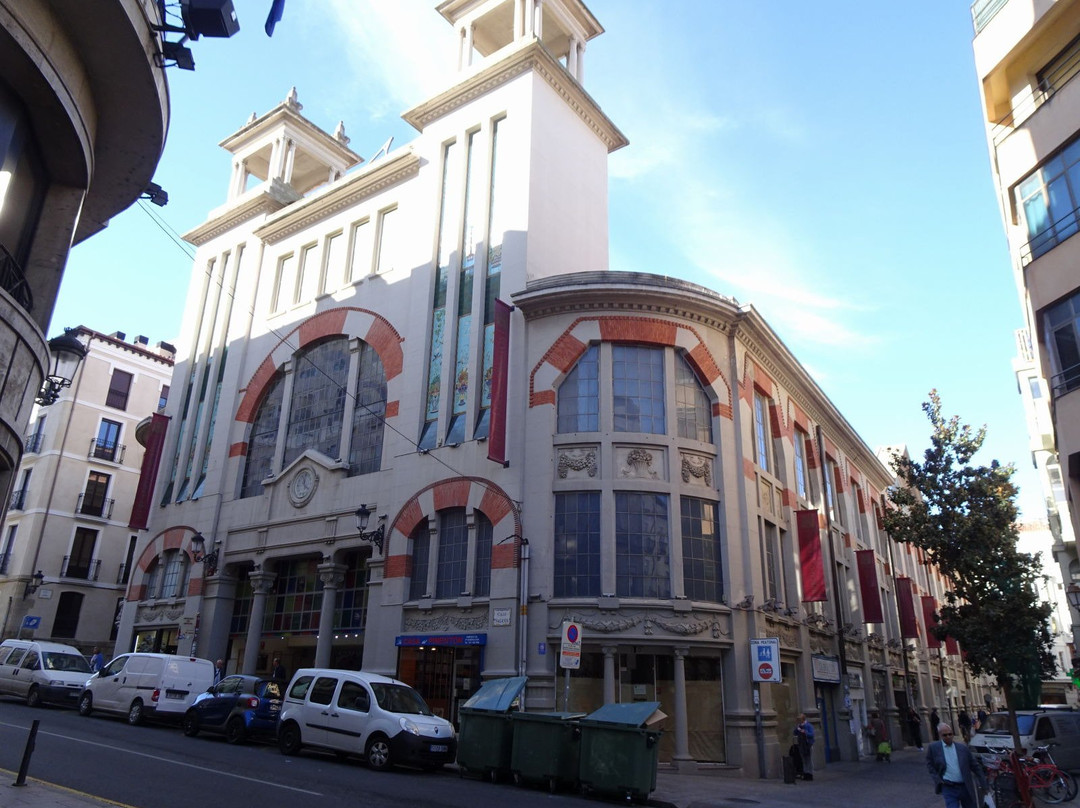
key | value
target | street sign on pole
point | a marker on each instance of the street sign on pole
(30, 621)
(765, 659)
(570, 656)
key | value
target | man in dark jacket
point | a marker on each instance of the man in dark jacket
(956, 771)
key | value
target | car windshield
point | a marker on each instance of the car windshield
(66, 662)
(399, 699)
(998, 724)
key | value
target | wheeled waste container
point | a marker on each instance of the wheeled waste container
(545, 750)
(619, 752)
(486, 737)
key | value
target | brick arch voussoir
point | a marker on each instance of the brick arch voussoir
(458, 492)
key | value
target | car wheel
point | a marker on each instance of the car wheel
(86, 704)
(378, 753)
(289, 739)
(135, 713)
(190, 724)
(235, 731)
(33, 698)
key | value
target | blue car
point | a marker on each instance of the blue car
(240, 707)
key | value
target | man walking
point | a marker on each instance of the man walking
(955, 770)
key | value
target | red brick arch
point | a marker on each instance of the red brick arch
(172, 538)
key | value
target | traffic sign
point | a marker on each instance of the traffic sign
(570, 656)
(30, 621)
(765, 659)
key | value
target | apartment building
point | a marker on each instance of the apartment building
(1027, 56)
(69, 535)
(419, 427)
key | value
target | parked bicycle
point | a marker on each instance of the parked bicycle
(1015, 779)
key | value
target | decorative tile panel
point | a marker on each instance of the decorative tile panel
(577, 462)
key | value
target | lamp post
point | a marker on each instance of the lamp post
(376, 537)
(1072, 594)
(198, 551)
(67, 352)
(35, 581)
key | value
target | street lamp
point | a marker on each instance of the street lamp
(67, 352)
(363, 514)
(1072, 592)
(36, 580)
(198, 551)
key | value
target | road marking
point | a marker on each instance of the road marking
(166, 760)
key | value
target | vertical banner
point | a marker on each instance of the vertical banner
(810, 562)
(929, 606)
(909, 627)
(951, 647)
(868, 587)
(155, 443)
(500, 360)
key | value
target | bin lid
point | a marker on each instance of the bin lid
(633, 714)
(497, 695)
(555, 716)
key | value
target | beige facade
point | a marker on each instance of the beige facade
(1027, 54)
(634, 461)
(69, 516)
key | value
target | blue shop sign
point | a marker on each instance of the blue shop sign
(416, 640)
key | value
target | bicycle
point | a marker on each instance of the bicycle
(1015, 779)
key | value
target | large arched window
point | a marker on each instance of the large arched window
(692, 407)
(365, 448)
(442, 561)
(260, 457)
(579, 395)
(317, 406)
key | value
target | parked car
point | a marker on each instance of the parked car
(140, 685)
(358, 713)
(1037, 728)
(42, 672)
(240, 707)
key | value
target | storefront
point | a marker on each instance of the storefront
(444, 668)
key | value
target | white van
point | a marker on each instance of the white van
(42, 672)
(357, 713)
(1059, 729)
(142, 686)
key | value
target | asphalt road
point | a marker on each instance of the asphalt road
(157, 767)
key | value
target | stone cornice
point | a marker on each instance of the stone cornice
(531, 56)
(345, 193)
(267, 201)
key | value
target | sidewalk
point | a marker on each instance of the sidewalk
(40, 794)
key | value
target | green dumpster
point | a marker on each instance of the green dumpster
(619, 753)
(486, 737)
(545, 750)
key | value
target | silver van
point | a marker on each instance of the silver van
(141, 686)
(1059, 728)
(42, 672)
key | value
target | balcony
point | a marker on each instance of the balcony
(94, 506)
(18, 500)
(122, 574)
(1068, 225)
(106, 450)
(14, 282)
(84, 570)
(1065, 382)
(982, 11)
(33, 442)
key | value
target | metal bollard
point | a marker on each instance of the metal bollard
(21, 779)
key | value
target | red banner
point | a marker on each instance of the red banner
(909, 626)
(813, 568)
(929, 606)
(144, 494)
(951, 647)
(500, 361)
(868, 587)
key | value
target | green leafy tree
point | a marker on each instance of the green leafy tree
(963, 517)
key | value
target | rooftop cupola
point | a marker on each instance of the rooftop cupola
(284, 148)
(486, 27)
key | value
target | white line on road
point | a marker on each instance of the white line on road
(166, 760)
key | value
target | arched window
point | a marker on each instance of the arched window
(441, 561)
(317, 406)
(693, 410)
(453, 553)
(579, 395)
(153, 579)
(421, 541)
(365, 448)
(260, 457)
(637, 386)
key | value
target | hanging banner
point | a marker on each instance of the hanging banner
(909, 626)
(951, 646)
(810, 563)
(929, 606)
(500, 360)
(144, 494)
(868, 587)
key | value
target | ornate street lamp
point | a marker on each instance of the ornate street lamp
(198, 552)
(363, 514)
(67, 352)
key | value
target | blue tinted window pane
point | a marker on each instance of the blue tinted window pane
(638, 389)
(702, 570)
(453, 553)
(692, 405)
(263, 441)
(577, 544)
(579, 395)
(642, 562)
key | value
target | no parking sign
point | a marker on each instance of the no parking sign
(765, 659)
(570, 656)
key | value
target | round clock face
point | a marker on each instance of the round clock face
(303, 486)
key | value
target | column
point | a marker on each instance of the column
(530, 18)
(571, 57)
(332, 576)
(681, 755)
(261, 584)
(610, 652)
(290, 160)
(519, 23)
(580, 62)
(467, 46)
(538, 21)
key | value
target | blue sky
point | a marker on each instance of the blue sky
(825, 162)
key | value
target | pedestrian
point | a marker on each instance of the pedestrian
(964, 720)
(278, 671)
(935, 719)
(804, 739)
(97, 661)
(879, 738)
(219, 670)
(956, 771)
(915, 727)
(980, 719)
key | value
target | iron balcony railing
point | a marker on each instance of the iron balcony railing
(18, 500)
(86, 570)
(982, 11)
(106, 450)
(94, 507)
(1068, 225)
(32, 443)
(13, 281)
(1066, 381)
(1048, 86)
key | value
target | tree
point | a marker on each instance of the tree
(963, 517)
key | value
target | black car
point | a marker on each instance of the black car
(239, 706)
